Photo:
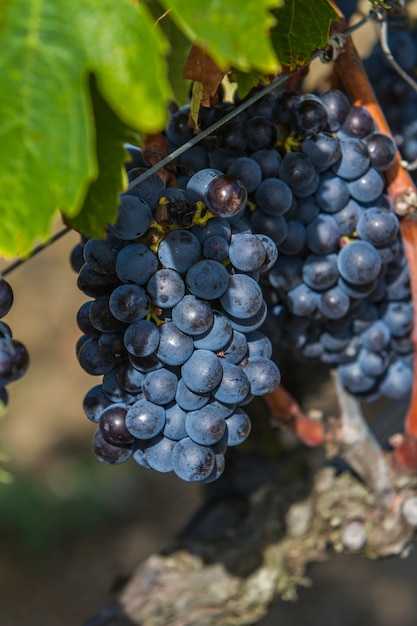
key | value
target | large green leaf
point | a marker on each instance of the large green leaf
(177, 53)
(233, 32)
(48, 49)
(126, 54)
(302, 27)
(45, 130)
(101, 201)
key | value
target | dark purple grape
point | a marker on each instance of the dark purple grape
(377, 226)
(248, 171)
(145, 364)
(113, 389)
(178, 130)
(128, 303)
(337, 106)
(111, 346)
(398, 381)
(287, 101)
(309, 117)
(274, 226)
(232, 138)
(268, 160)
(84, 322)
(274, 197)
(94, 284)
(135, 157)
(382, 150)
(266, 107)
(6, 297)
(129, 378)
(5, 330)
(91, 359)
(109, 453)
(322, 149)
(225, 196)
(359, 263)
(77, 257)
(4, 396)
(100, 254)
(94, 403)
(14, 360)
(112, 425)
(323, 234)
(359, 122)
(261, 133)
(192, 462)
(355, 380)
(294, 242)
(102, 318)
(296, 170)
(141, 338)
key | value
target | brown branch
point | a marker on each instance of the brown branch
(244, 550)
(358, 446)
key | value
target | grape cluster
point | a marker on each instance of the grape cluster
(189, 294)
(172, 325)
(14, 358)
(313, 168)
(341, 284)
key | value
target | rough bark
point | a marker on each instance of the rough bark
(253, 539)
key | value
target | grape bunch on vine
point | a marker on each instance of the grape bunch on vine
(240, 230)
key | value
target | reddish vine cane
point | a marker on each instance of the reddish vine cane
(403, 192)
(284, 408)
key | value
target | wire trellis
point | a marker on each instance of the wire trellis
(327, 55)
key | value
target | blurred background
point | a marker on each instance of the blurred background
(73, 529)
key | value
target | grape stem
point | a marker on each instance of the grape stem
(403, 193)
(348, 436)
(284, 408)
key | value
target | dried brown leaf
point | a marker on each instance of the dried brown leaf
(201, 68)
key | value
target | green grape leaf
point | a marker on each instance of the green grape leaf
(126, 54)
(45, 131)
(48, 50)
(101, 202)
(246, 81)
(177, 53)
(302, 27)
(231, 32)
